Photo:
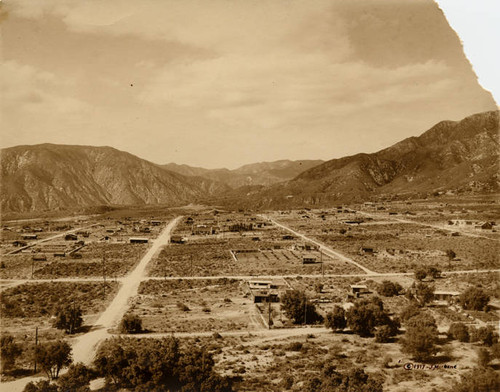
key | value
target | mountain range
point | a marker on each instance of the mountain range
(262, 173)
(461, 156)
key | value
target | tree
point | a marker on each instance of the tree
(10, 351)
(366, 315)
(52, 357)
(451, 254)
(76, 379)
(409, 311)
(483, 357)
(459, 331)
(434, 272)
(298, 308)
(68, 318)
(420, 274)
(485, 335)
(318, 287)
(389, 289)
(131, 323)
(478, 380)
(421, 337)
(474, 298)
(383, 334)
(158, 365)
(336, 319)
(424, 293)
(40, 386)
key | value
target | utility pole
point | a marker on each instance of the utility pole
(322, 263)
(305, 310)
(269, 313)
(36, 344)
(32, 267)
(104, 275)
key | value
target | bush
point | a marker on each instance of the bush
(158, 365)
(69, 318)
(485, 335)
(411, 310)
(298, 308)
(77, 378)
(131, 323)
(480, 380)
(383, 334)
(336, 319)
(40, 386)
(474, 298)
(459, 331)
(10, 351)
(421, 337)
(420, 274)
(424, 293)
(389, 289)
(366, 315)
(483, 357)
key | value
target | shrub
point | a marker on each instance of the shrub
(383, 334)
(389, 289)
(298, 308)
(77, 378)
(10, 351)
(420, 274)
(336, 319)
(479, 379)
(40, 386)
(424, 293)
(366, 315)
(131, 323)
(474, 298)
(69, 318)
(483, 357)
(459, 331)
(485, 335)
(421, 337)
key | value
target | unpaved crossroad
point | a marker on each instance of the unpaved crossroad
(84, 347)
(328, 251)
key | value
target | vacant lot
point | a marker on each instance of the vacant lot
(194, 306)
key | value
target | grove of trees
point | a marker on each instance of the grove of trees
(474, 298)
(367, 315)
(69, 318)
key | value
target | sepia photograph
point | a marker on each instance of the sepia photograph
(249, 195)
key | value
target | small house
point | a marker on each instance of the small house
(486, 226)
(71, 237)
(309, 259)
(366, 250)
(155, 223)
(446, 296)
(30, 237)
(358, 289)
(263, 291)
(39, 257)
(288, 237)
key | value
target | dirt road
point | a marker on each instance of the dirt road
(84, 347)
(31, 244)
(328, 251)
(451, 229)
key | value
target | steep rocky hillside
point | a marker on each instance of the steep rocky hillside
(47, 176)
(458, 156)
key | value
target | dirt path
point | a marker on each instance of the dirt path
(31, 244)
(84, 347)
(328, 251)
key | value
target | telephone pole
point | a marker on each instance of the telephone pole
(36, 344)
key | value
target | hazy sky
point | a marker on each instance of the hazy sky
(224, 83)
